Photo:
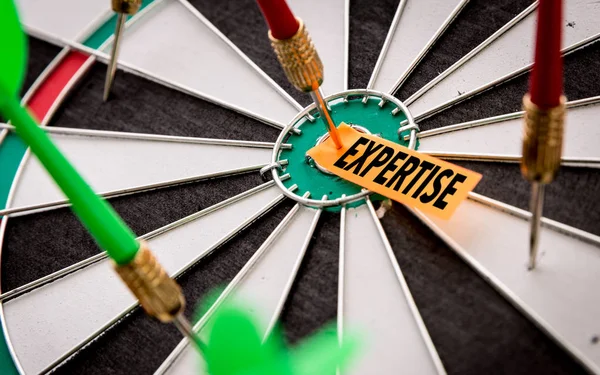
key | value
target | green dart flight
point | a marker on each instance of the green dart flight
(234, 346)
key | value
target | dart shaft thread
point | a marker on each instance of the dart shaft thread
(126, 6)
(159, 295)
(542, 141)
(299, 59)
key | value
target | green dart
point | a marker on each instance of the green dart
(104, 224)
(12, 70)
(159, 295)
(234, 347)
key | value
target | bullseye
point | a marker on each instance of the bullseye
(370, 112)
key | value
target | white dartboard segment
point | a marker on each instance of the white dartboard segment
(61, 19)
(110, 164)
(262, 285)
(419, 23)
(51, 321)
(559, 295)
(174, 43)
(326, 28)
(375, 302)
(495, 137)
(510, 51)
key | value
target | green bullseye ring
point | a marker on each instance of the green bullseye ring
(379, 120)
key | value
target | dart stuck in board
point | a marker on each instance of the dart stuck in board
(158, 294)
(415, 179)
(545, 111)
(298, 57)
(203, 153)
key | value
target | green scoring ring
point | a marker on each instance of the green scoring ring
(353, 110)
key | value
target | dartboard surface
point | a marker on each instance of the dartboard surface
(429, 295)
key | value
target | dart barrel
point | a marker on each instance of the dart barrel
(299, 59)
(542, 141)
(126, 6)
(159, 295)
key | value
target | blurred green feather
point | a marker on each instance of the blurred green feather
(234, 346)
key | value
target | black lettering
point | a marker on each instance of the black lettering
(381, 179)
(426, 181)
(404, 171)
(437, 186)
(449, 190)
(379, 160)
(425, 166)
(340, 163)
(359, 162)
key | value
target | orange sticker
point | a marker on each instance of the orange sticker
(410, 177)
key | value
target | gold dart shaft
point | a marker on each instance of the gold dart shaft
(303, 67)
(159, 295)
(542, 152)
(299, 59)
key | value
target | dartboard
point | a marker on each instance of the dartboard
(202, 150)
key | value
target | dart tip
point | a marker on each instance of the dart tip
(185, 327)
(323, 108)
(112, 64)
(107, 87)
(533, 245)
(536, 206)
(532, 260)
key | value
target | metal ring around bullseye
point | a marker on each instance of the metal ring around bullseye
(277, 165)
(408, 127)
(305, 113)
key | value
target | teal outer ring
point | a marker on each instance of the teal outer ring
(346, 107)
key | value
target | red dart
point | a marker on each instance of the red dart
(298, 56)
(280, 18)
(544, 115)
(546, 83)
